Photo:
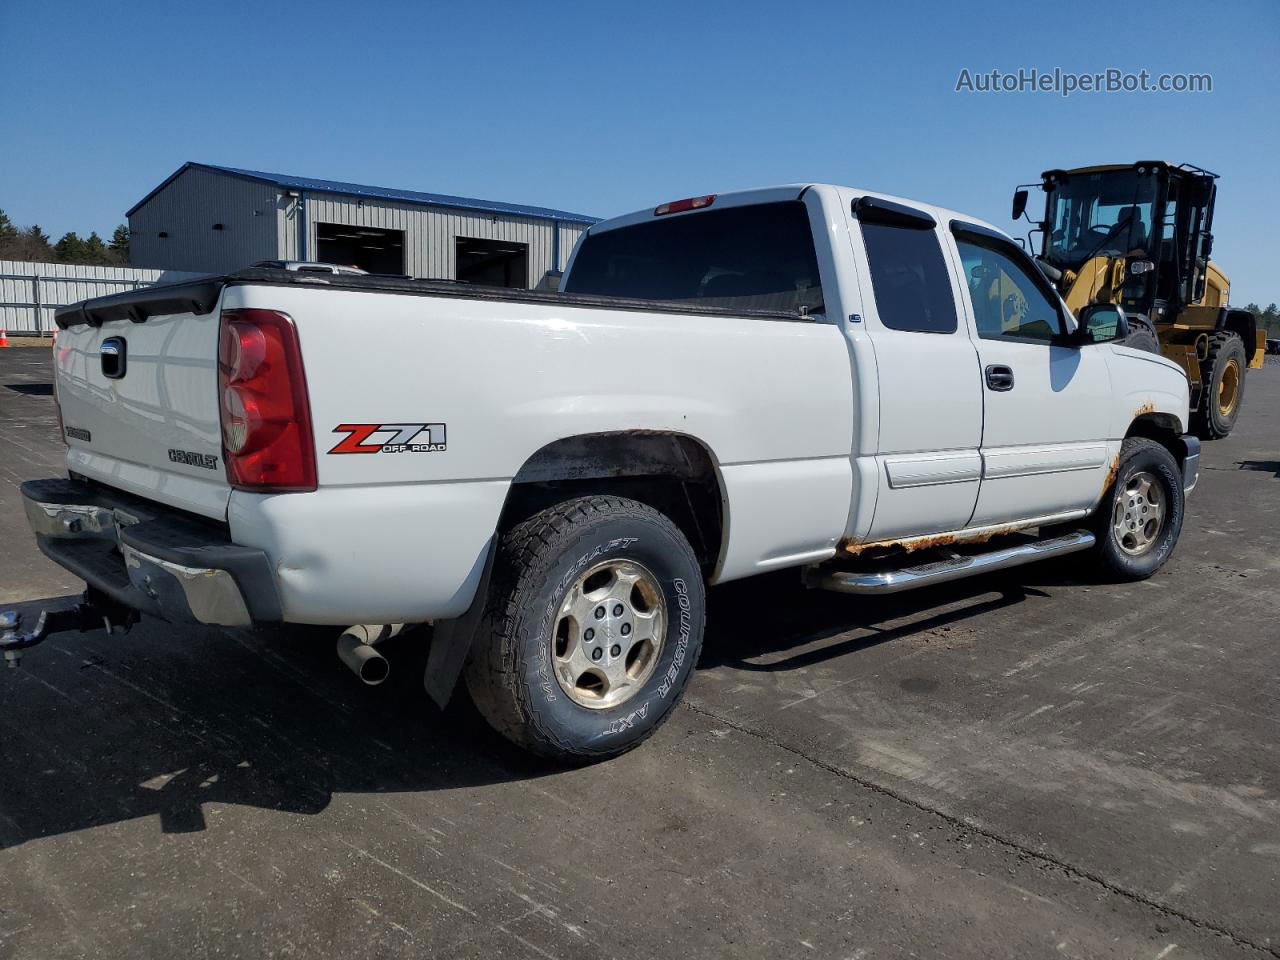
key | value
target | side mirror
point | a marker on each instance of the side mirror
(1102, 323)
(1019, 204)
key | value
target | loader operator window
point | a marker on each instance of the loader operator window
(1008, 303)
(1101, 214)
(909, 278)
(757, 257)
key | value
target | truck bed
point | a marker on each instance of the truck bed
(200, 296)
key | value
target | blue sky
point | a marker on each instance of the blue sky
(603, 108)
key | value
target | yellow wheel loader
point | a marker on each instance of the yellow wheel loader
(1139, 236)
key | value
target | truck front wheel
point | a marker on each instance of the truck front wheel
(592, 627)
(1140, 517)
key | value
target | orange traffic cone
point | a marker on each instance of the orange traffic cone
(4, 339)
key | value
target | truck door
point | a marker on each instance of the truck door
(930, 422)
(1046, 403)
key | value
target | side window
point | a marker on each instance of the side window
(1007, 301)
(909, 278)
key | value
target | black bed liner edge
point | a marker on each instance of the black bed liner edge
(200, 296)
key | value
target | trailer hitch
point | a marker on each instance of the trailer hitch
(93, 612)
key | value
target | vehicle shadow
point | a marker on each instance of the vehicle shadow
(32, 389)
(1262, 466)
(97, 730)
(753, 624)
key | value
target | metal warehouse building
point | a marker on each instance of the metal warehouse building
(213, 219)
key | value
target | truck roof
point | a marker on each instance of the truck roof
(791, 191)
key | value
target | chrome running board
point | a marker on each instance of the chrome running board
(944, 571)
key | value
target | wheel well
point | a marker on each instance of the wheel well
(670, 472)
(1163, 428)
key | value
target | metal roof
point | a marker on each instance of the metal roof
(287, 182)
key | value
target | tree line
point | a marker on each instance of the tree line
(1268, 318)
(32, 244)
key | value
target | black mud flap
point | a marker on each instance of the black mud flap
(451, 640)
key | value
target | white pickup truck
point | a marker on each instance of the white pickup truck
(880, 393)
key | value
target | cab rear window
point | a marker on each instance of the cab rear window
(758, 257)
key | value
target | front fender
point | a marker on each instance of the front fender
(1147, 385)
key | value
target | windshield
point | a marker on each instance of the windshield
(1095, 214)
(757, 257)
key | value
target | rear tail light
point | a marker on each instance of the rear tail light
(266, 418)
(680, 206)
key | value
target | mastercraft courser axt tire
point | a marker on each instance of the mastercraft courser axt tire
(560, 595)
(1148, 481)
(1222, 373)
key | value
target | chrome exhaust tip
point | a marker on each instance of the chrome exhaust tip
(363, 660)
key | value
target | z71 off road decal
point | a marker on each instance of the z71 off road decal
(390, 438)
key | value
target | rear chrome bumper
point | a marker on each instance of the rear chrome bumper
(1190, 462)
(159, 561)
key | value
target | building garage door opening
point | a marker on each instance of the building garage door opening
(494, 263)
(369, 248)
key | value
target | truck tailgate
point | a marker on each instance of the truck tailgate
(139, 404)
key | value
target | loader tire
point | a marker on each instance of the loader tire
(1140, 517)
(1222, 374)
(592, 626)
(1142, 335)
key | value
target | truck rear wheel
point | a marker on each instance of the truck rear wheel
(1222, 375)
(592, 627)
(1140, 517)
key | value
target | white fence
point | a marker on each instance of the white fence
(30, 292)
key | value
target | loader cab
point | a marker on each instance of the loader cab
(1154, 217)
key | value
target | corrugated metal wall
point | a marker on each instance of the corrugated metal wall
(188, 208)
(430, 232)
(570, 234)
(23, 285)
(260, 222)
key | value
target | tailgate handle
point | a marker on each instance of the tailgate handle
(114, 353)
